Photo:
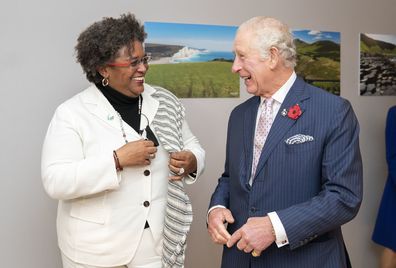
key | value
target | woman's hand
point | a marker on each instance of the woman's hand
(182, 163)
(136, 153)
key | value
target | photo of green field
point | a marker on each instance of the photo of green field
(192, 60)
(212, 79)
(318, 58)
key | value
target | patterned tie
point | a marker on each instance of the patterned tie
(263, 127)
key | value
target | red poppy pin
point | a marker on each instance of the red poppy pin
(294, 112)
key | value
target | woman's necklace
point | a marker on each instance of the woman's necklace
(121, 122)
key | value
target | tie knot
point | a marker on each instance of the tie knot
(268, 103)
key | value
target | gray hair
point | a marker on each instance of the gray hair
(101, 41)
(270, 32)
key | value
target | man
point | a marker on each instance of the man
(293, 171)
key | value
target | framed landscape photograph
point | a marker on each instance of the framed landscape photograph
(192, 60)
(318, 58)
(377, 64)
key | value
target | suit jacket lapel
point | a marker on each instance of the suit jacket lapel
(99, 106)
(249, 127)
(282, 123)
(149, 106)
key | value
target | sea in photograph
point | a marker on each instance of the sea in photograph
(208, 56)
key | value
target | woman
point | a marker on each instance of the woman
(109, 152)
(385, 230)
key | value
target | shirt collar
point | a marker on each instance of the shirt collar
(280, 95)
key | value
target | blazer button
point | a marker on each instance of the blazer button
(146, 203)
(253, 209)
(146, 172)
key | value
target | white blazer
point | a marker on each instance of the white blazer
(101, 212)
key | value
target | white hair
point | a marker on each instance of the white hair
(269, 32)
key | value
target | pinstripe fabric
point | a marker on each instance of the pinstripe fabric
(262, 130)
(314, 186)
(178, 218)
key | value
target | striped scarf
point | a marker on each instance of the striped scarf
(167, 124)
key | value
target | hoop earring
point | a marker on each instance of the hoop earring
(105, 81)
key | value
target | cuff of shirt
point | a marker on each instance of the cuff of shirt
(280, 233)
(212, 208)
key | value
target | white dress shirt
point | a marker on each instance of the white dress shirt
(279, 96)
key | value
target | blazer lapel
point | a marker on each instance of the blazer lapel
(99, 106)
(149, 106)
(249, 126)
(282, 123)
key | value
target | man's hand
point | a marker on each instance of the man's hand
(216, 225)
(256, 234)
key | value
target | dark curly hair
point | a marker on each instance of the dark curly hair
(100, 42)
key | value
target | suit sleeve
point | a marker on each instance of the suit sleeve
(341, 194)
(220, 196)
(390, 139)
(66, 172)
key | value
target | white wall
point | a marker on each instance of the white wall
(38, 72)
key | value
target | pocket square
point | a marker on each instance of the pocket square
(299, 138)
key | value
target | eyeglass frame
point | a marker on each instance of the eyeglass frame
(133, 63)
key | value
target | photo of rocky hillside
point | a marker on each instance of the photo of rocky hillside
(377, 65)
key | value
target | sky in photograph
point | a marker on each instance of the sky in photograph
(211, 37)
(384, 37)
(311, 36)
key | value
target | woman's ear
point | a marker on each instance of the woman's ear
(103, 71)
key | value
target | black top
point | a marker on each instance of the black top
(127, 107)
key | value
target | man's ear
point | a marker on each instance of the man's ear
(273, 57)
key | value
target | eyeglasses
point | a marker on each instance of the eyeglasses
(133, 63)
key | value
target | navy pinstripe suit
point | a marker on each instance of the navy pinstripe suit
(314, 187)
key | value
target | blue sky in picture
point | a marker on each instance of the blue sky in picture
(311, 36)
(383, 37)
(211, 37)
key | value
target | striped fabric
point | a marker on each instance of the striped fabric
(167, 124)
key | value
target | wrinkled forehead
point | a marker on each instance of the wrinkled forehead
(245, 42)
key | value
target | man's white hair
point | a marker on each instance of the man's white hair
(269, 32)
